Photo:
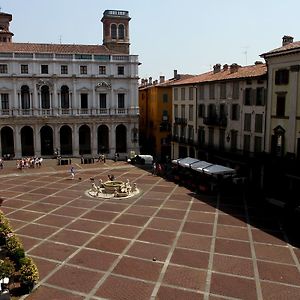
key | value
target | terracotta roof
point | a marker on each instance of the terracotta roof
(55, 48)
(242, 72)
(288, 47)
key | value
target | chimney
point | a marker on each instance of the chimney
(217, 68)
(234, 68)
(150, 80)
(175, 74)
(258, 62)
(225, 67)
(287, 40)
(161, 79)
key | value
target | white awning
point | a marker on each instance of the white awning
(187, 162)
(218, 170)
(199, 166)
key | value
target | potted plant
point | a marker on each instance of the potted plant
(7, 268)
(29, 274)
(15, 249)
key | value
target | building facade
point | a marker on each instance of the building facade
(282, 180)
(79, 99)
(220, 115)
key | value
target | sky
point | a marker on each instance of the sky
(188, 36)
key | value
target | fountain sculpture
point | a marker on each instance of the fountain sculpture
(113, 189)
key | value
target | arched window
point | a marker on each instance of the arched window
(113, 31)
(121, 31)
(64, 93)
(25, 97)
(45, 97)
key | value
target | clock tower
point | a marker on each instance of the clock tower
(116, 30)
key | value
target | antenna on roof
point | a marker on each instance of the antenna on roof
(60, 39)
(246, 54)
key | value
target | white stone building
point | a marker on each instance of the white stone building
(79, 99)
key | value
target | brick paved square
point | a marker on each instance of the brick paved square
(72, 237)
(75, 279)
(53, 250)
(86, 225)
(149, 251)
(185, 277)
(93, 259)
(157, 236)
(109, 244)
(190, 258)
(138, 268)
(165, 292)
(231, 286)
(53, 293)
(232, 247)
(233, 265)
(123, 231)
(115, 288)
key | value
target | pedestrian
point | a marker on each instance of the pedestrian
(72, 171)
(116, 156)
(154, 169)
(1, 163)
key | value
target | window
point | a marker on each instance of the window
(258, 123)
(191, 132)
(24, 69)
(182, 93)
(25, 97)
(175, 94)
(201, 111)
(84, 101)
(165, 115)
(201, 92)
(102, 70)
(3, 69)
(121, 100)
(113, 31)
(201, 136)
(223, 90)
(235, 90)
(248, 94)
(4, 101)
(247, 142)
(233, 143)
(282, 77)
(247, 122)
(191, 112)
(165, 98)
(235, 112)
(210, 137)
(121, 31)
(64, 97)
(211, 91)
(175, 111)
(44, 69)
(83, 69)
(257, 144)
(191, 93)
(120, 70)
(260, 96)
(280, 106)
(183, 111)
(63, 69)
(45, 97)
(102, 100)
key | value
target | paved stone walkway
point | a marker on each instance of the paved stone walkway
(166, 243)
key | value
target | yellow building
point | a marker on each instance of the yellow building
(155, 102)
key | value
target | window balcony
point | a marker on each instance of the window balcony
(215, 121)
(181, 121)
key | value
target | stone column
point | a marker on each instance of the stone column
(94, 140)
(75, 140)
(17, 142)
(37, 140)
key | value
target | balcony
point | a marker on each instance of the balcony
(215, 120)
(180, 121)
